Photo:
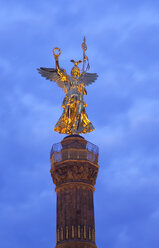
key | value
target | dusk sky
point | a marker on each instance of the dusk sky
(123, 104)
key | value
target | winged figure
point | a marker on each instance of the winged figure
(74, 119)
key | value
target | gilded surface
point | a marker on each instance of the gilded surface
(74, 119)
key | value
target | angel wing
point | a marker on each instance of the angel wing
(87, 78)
(52, 75)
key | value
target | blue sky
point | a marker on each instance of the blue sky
(123, 105)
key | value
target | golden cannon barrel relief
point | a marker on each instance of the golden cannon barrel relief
(74, 119)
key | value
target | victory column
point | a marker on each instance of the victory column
(74, 161)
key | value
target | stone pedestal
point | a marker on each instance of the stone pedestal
(74, 169)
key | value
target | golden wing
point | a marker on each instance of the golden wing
(52, 74)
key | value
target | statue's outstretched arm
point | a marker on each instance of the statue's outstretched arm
(61, 72)
(58, 75)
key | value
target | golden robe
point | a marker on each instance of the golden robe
(74, 118)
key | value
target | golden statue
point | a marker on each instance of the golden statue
(74, 119)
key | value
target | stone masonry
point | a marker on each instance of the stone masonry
(74, 169)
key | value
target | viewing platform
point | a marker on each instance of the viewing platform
(74, 147)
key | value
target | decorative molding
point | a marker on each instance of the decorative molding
(58, 235)
(61, 233)
(89, 234)
(76, 244)
(79, 232)
(74, 184)
(74, 171)
(73, 232)
(66, 232)
(85, 236)
(93, 235)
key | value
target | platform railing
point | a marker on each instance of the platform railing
(90, 153)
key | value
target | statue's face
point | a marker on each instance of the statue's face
(75, 72)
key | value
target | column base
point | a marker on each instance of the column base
(76, 244)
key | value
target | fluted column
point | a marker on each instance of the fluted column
(74, 168)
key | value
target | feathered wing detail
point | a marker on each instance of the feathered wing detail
(88, 78)
(52, 75)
